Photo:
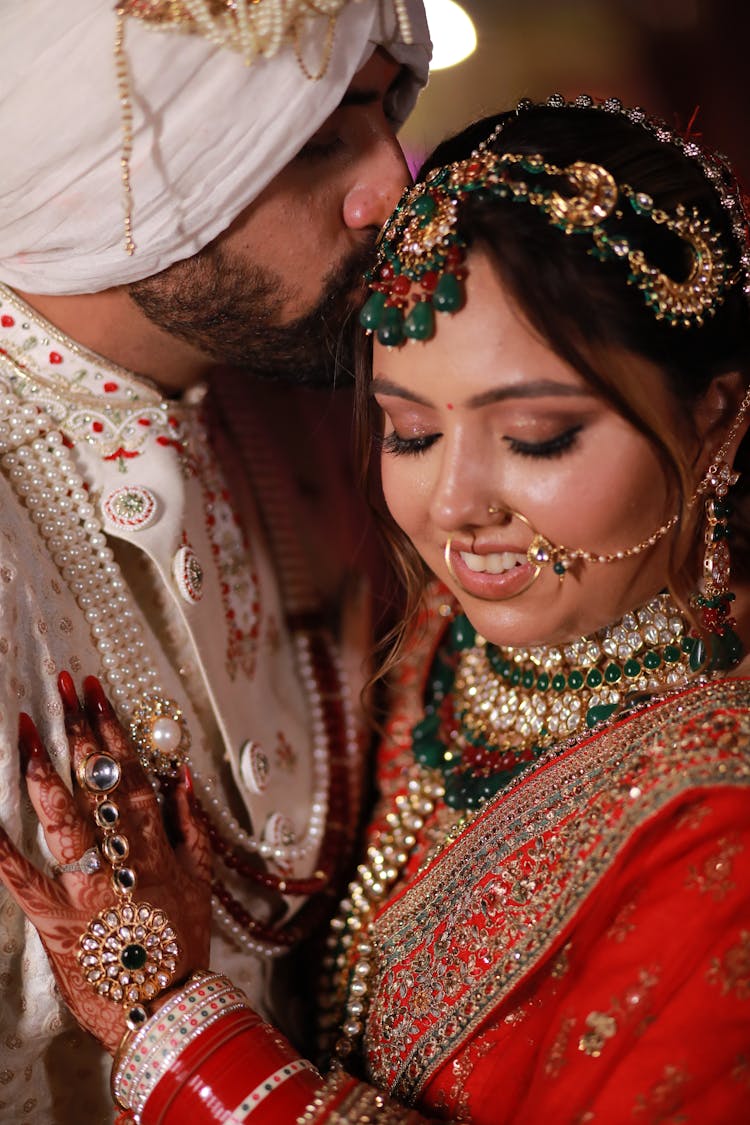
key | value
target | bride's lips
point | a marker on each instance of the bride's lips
(493, 574)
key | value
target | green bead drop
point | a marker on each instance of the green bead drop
(652, 660)
(462, 633)
(372, 312)
(527, 679)
(698, 656)
(558, 682)
(429, 754)
(448, 295)
(424, 207)
(631, 668)
(575, 680)
(594, 678)
(543, 682)
(612, 673)
(420, 323)
(391, 327)
(671, 654)
(599, 714)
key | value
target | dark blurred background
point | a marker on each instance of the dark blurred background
(670, 56)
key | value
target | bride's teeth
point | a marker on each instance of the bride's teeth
(492, 564)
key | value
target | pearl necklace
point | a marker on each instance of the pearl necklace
(43, 474)
(349, 963)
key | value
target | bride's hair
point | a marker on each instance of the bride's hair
(586, 312)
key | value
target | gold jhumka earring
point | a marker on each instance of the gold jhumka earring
(714, 600)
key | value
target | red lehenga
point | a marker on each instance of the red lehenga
(578, 951)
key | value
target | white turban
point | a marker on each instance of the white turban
(209, 133)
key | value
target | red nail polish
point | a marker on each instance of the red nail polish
(97, 703)
(29, 742)
(68, 693)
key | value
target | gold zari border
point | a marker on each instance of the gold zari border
(493, 903)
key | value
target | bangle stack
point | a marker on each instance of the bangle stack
(163, 1072)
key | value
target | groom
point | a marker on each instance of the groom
(184, 219)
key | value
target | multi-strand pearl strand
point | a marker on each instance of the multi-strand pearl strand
(43, 474)
(322, 753)
(321, 767)
(348, 964)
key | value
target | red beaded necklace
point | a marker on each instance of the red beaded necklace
(304, 618)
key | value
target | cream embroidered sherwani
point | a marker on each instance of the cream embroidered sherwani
(202, 605)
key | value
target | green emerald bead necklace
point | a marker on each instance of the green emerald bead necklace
(490, 711)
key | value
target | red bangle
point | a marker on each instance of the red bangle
(192, 1059)
(214, 1085)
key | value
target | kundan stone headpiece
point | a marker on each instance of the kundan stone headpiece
(420, 265)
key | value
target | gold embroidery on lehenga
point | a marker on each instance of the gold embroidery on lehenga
(456, 1101)
(664, 1100)
(715, 876)
(494, 902)
(556, 1058)
(731, 973)
(622, 926)
(741, 1071)
(561, 964)
(693, 816)
(601, 1028)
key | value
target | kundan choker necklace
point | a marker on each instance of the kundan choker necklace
(491, 711)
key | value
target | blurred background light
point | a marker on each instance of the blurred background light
(669, 56)
(452, 31)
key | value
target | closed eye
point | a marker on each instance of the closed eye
(413, 446)
(320, 148)
(552, 447)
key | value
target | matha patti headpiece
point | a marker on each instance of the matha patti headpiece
(420, 263)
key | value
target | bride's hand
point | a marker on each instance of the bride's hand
(61, 905)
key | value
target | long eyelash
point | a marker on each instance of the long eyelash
(553, 447)
(399, 446)
(319, 150)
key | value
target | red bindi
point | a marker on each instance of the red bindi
(449, 406)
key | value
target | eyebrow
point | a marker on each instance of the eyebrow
(540, 388)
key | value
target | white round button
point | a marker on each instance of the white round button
(188, 574)
(279, 831)
(130, 508)
(254, 766)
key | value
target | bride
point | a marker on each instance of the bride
(551, 920)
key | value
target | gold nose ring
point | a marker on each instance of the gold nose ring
(538, 552)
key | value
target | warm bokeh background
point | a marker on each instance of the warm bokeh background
(667, 55)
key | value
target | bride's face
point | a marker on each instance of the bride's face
(485, 416)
